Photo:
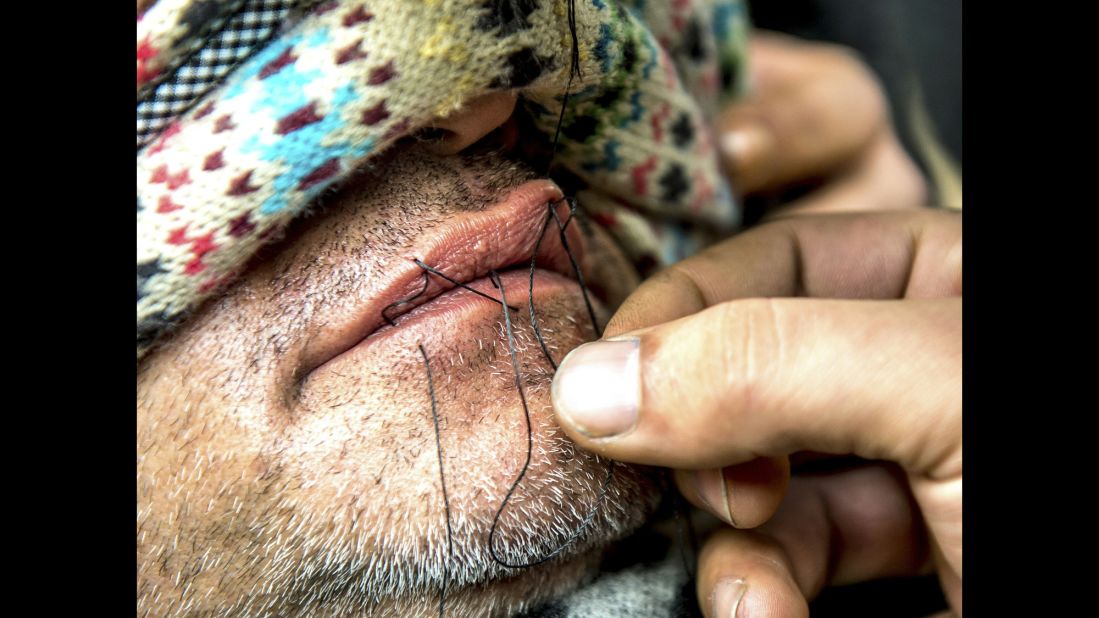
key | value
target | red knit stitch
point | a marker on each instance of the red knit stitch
(640, 175)
(605, 219)
(203, 244)
(166, 205)
(285, 58)
(178, 180)
(375, 114)
(178, 236)
(351, 52)
(204, 110)
(213, 161)
(658, 122)
(209, 284)
(194, 267)
(358, 16)
(397, 129)
(145, 53)
(382, 74)
(225, 123)
(172, 129)
(301, 117)
(323, 171)
(174, 181)
(241, 226)
(242, 185)
(145, 50)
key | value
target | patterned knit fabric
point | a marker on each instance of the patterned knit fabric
(172, 31)
(326, 92)
(196, 75)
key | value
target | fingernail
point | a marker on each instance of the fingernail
(713, 490)
(727, 596)
(746, 146)
(598, 387)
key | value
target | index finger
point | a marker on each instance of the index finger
(912, 254)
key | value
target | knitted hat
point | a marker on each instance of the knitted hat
(249, 109)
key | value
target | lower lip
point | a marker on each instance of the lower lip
(460, 311)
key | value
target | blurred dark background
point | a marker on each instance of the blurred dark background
(915, 47)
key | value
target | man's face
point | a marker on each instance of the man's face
(287, 453)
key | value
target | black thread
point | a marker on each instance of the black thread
(530, 297)
(530, 447)
(442, 483)
(574, 71)
(438, 442)
(576, 267)
(405, 301)
(440, 273)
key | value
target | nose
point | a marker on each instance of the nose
(476, 119)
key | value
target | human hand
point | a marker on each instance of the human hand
(838, 334)
(816, 113)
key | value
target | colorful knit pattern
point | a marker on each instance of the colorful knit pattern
(349, 79)
(252, 25)
(172, 29)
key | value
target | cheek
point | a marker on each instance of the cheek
(201, 463)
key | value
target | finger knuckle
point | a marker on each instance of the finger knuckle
(947, 226)
(685, 281)
(751, 348)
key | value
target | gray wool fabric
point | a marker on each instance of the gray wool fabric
(643, 576)
(642, 591)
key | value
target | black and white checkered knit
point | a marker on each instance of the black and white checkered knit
(244, 33)
(201, 21)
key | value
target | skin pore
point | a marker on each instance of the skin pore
(269, 485)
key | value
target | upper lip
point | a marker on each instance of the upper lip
(465, 248)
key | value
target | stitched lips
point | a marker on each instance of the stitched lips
(466, 250)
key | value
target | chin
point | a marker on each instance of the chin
(294, 437)
(379, 472)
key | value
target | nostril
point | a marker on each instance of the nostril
(465, 127)
(433, 135)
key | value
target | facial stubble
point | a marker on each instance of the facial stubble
(319, 495)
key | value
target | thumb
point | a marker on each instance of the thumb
(768, 377)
